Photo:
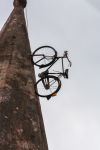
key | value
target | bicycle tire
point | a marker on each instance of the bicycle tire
(36, 53)
(48, 96)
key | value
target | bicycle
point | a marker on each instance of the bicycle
(51, 84)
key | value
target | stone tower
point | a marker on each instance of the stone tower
(21, 123)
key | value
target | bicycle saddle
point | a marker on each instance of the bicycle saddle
(66, 73)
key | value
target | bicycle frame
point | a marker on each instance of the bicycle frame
(46, 72)
(50, 81)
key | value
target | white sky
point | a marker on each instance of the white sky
(72, 119)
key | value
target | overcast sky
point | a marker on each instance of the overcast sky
(72, 119)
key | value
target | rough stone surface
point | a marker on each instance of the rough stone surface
(21, 123)
(18, 3)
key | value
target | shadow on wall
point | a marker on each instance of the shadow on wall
(95, 3)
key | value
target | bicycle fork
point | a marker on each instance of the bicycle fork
(46, 83)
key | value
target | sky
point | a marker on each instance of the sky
(72, 118)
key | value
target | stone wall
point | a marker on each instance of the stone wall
(21, 123)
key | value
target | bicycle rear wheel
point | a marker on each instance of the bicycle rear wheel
(44, 56)
(54, 86)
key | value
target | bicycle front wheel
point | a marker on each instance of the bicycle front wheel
(54, 86)
(44, 56)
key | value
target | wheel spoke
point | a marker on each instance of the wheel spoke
(39, 60)
(52, 83)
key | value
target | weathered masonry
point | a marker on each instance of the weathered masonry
(21, 123)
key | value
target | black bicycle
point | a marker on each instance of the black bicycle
(49, 83)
